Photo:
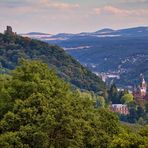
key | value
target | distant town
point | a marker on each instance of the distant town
(139, 95)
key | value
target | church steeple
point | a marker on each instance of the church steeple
(141, 92)
(143, 87)
(143, 83)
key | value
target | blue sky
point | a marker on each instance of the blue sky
(72, 16)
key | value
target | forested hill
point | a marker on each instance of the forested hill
(14, 47)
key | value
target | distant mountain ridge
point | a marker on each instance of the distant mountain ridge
(105, 31)
(37, 33)
(122, 53)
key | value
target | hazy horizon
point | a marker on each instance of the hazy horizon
(14, 30)
(72, 16)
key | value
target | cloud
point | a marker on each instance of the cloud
(135, 1)
(57, 5)
(38, 4)
(71, 16)
(36, 9)
(12, 4)
(62, 6)
(111, 10)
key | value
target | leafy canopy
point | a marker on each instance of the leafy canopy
(40, 110)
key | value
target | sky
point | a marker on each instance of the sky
(72, 16)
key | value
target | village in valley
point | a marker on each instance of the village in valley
(139, 93)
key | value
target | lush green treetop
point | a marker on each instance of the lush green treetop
(38, 109)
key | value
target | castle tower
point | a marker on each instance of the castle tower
(9, 30)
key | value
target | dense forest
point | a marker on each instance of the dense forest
(14, 47)
(40, 110)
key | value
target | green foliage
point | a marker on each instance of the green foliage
(13, 48)
(100, 101)
(133, 135)
(138, 113)
(127, 98)
(144, 131)
(113, 92)
(114, 95)
(126, 140)
(43, 111)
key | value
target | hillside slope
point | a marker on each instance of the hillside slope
(123, 56)
(14, 47)
(122, 53)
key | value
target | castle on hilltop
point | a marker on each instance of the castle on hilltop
(9, 31)
(140, 92)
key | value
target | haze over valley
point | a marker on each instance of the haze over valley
(112, 54)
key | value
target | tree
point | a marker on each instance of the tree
(141, 121)
(113, 94)
(132, 117)
(140, 111)
(127, 98)
(146, 107)
(100, 101)
(126, 140)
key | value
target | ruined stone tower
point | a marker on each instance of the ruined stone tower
(9, 31)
